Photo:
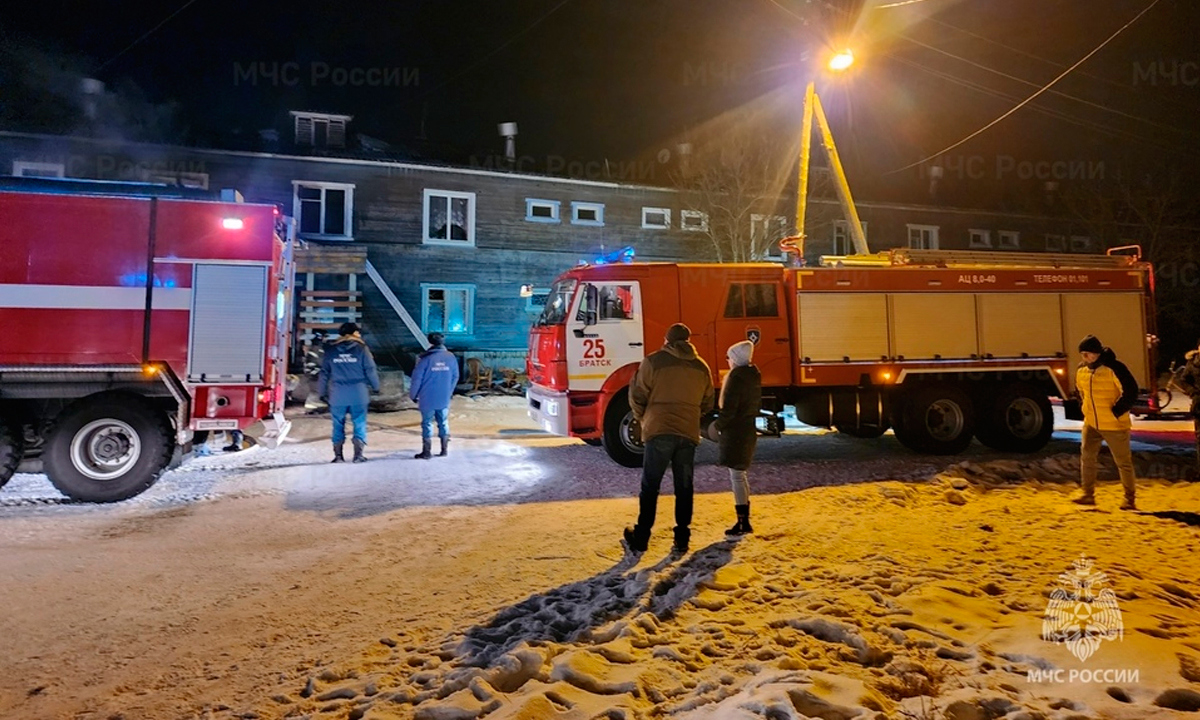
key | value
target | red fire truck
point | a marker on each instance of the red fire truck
(941, 347)
(133, 316)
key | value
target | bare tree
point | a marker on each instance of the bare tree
(733, 188)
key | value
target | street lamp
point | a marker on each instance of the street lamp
(812, 108)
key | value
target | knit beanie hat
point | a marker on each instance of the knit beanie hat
(1091, 344)
(678, 333)
(741, 353)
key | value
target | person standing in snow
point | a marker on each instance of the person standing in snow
(347, 372)
(1107, 391)
(739, 405)
(1189, 381)
(671, 390)
(433, 382)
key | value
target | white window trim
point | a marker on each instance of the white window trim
(470, 319)
(348, 233)
(529, 306)
(554, 205)
(1086, 243)
(692, 215)
(842, 227)
(1009, 240)
(1061, 241)
(666, 213)
(20, 166)
(933, 235)
(977, 238)
(598, 207)
(470, 197)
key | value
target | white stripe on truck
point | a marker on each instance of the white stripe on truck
(91, 297)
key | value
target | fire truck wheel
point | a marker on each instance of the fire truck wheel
(937, 419)
(107, 448)
(1019, 419)
(11, 449)
(622, 437)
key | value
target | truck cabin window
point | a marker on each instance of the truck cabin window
(605, 302)
(751, 300)
(557, 303)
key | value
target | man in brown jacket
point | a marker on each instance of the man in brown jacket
(670, 392)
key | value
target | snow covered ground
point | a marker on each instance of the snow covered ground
(879, 583)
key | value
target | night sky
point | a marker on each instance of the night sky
(619, 79)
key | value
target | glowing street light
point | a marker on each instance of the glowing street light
(841, 61)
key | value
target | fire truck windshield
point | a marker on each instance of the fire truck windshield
(558, 302)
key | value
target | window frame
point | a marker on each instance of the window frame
(20, 166)
(335, 129)
(666, 213)
(844, 227)
(1086, 243)
(448, 195)
(555, 210)
(469, 288)
(577, 205)
(979, 239)
(1062, 242)
(537, 309)
(348, 221)
(1008, 240)
(933, 235)
(687, 215)
(767, 221)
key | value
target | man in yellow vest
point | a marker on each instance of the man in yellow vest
(1107, 390)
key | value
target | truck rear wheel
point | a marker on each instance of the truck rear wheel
(622, 438)
(11, 450)
(107, 449)
(1019, 419)
(937, 419)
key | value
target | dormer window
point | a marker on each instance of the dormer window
(320, 129)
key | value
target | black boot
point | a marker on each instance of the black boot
(358, 450)
(445, 443)
(337, 453)
(742, 527)
(634, 541)
(682, 537)
(424, 454)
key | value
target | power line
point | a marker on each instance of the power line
(1029, 99)
(145, 35)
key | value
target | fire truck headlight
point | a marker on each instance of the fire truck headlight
(232, 223)
(552, 408)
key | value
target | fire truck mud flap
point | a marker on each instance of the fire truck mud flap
(107, 448)
(275, 431)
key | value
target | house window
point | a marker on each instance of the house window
(22, 168)
(324, 209)
(765, 233)
(923, 237)
(1010, 240)
(198, 181)
(843, 244)
(536, 302)
(751, 300)
(1081, 244)
(1056, 243)
(447, 309)
(585, 213)
(541, 210)
(980, 238)
(320, 129)
(656, 218)
(693, 220)
(449, 218)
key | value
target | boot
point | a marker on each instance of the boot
(742, 526)
(445, 443)
(358, 450)
(633, 542)
(1130, 503)
(1085, 499)
(682, 537)
(424, 454)
(337, 453)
